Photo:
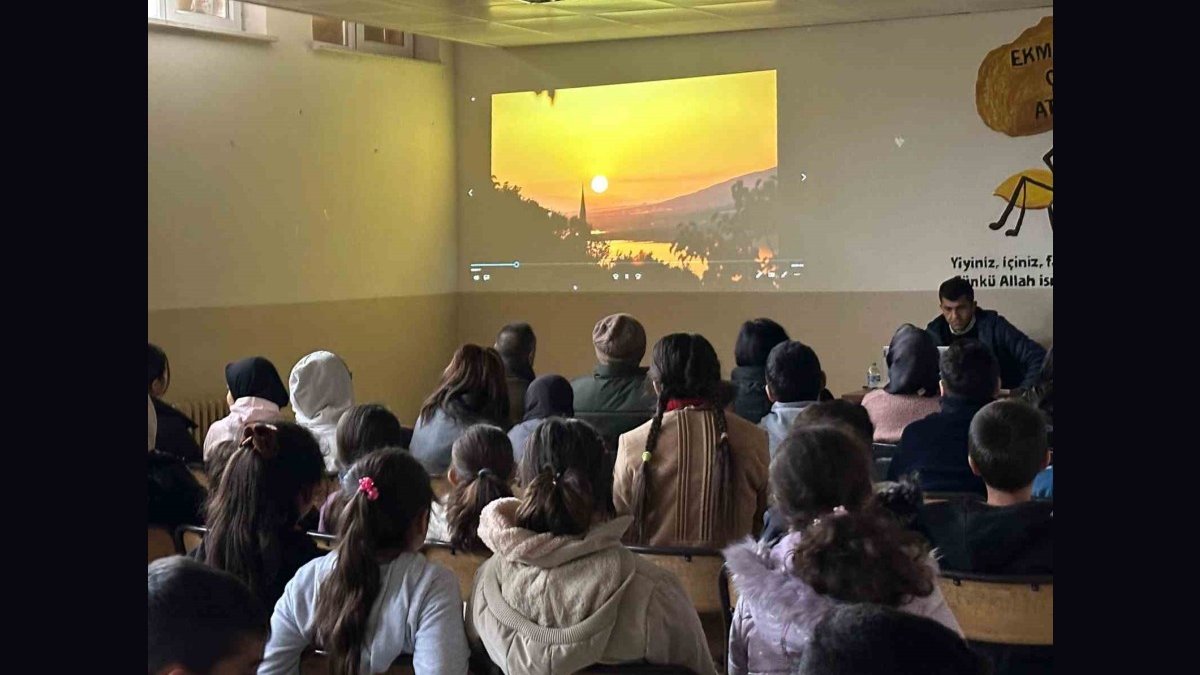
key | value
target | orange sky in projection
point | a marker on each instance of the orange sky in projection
(652, 140)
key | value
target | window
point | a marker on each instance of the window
(222, 17)
(361, 37)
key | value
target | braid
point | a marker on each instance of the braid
(641, 481)
(723, 470)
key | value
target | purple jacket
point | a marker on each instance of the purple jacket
(776, 611)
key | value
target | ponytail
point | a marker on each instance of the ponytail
(641, 480)
(567, 486)
(723, 473)
(348, 592)
(464, 504)
(255, 501)
(559, 503)
(385, 493)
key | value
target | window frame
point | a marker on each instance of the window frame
(354, 39)
(167, 10)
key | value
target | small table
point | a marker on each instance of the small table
(856, 397)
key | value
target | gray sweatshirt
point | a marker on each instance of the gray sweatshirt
(779, 421)
(419, 611)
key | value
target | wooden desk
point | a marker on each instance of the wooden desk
(856, 397)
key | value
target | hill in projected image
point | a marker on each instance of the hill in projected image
(671, 181)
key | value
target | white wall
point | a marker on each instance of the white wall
(872, 215)
(281, 174)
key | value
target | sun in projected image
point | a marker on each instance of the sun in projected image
(599, 184)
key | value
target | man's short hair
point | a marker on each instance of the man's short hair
(955, 288)
(866, 639)
(198, 614)
(794, 372)
(970, 370)
(516, 340)
(1008, 444)
(838, 411)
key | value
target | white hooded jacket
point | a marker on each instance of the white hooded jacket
(321, 392)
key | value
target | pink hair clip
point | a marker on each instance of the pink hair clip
(365, 484)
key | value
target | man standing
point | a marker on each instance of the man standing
(1020, 357)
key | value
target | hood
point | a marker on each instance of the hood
(321, 389)
(555, 582)
(549, 396)
(913, 363)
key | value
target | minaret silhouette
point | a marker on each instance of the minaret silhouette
(582, 206)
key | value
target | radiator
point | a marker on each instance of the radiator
(203, 413)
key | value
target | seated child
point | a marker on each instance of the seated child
(1010, 533)
(375, 597)
(841, 548)
(201, 620)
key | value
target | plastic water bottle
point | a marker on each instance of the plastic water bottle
(874, 379)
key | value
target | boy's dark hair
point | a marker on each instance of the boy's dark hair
(516, 341)
(970, 370)
(852, 415)
(794, 372)
(157, 364)
(1007, 442)
(954, 288)
(867, 639)
(755, 341)
(196, 614)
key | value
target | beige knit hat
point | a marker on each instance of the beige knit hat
(619, 338)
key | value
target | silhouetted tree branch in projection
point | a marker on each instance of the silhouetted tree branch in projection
(746, 233)
(519, 228)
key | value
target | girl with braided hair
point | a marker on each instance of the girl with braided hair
(694, 475)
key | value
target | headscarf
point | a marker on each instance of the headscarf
(321, 389)
(255, 376)
(549, 396)
(912, 361)
(151, 424)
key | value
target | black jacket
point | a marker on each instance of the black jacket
(750, 401)
(974, 537)
(936, 448)
(175, 498)
(1020, 357)
(613, 399)
(296, 548)
(175, 433)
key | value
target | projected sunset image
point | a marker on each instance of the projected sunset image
(672, 180)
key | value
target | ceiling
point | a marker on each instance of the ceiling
(512, 23)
